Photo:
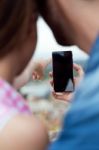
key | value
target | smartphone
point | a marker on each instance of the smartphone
(63, 71)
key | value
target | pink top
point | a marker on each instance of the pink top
(11, 103)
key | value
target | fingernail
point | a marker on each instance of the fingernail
(33, 77)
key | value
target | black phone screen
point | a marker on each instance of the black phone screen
(63, 71)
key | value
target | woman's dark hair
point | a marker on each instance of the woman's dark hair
(14, 23)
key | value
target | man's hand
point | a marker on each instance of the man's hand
(67, 96)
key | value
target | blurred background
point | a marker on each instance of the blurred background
(38, 93)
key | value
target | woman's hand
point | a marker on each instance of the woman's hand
(67, 96)
(34, 70)
(39, 68)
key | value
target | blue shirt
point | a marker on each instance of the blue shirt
(81, 125)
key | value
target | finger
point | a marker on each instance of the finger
(58, 97)
(34, 76)
(51, 74)
(76, 81)
(79, 69)
(64, 97)
(52, 83)
(38, 77)
(60, 94)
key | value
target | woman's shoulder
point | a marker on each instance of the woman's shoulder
(11, 98)
(24, 132)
